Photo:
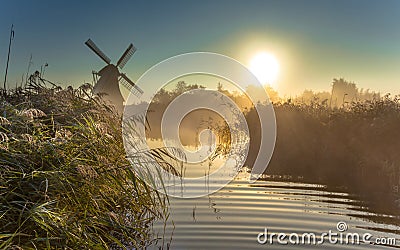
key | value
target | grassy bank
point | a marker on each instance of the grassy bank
(64, 178)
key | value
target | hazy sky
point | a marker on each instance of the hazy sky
(314, 41)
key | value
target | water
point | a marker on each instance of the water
(233, 217)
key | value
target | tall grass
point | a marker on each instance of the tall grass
(64, 178)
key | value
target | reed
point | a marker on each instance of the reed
(65, 182)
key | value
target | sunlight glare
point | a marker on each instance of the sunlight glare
(265, 67)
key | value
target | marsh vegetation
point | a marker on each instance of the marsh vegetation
(65, 182)
(347, 139)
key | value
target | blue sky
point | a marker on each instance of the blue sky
(314, 41)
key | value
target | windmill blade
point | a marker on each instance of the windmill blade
(126, 56)
(131, 86)
(97, 51)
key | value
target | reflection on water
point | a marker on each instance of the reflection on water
(195, 169)
(233, 217)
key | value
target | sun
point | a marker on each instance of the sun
(265, 67)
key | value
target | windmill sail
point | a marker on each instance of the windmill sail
(111, 77)
(131, 86)
(126, 56)
(97, 51)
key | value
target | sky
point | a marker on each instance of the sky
(313, 41)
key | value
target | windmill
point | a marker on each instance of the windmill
(111, 77)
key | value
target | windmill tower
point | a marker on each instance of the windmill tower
(111, 77)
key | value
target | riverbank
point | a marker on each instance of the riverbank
(64, 178)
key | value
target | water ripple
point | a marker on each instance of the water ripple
(233, 217)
